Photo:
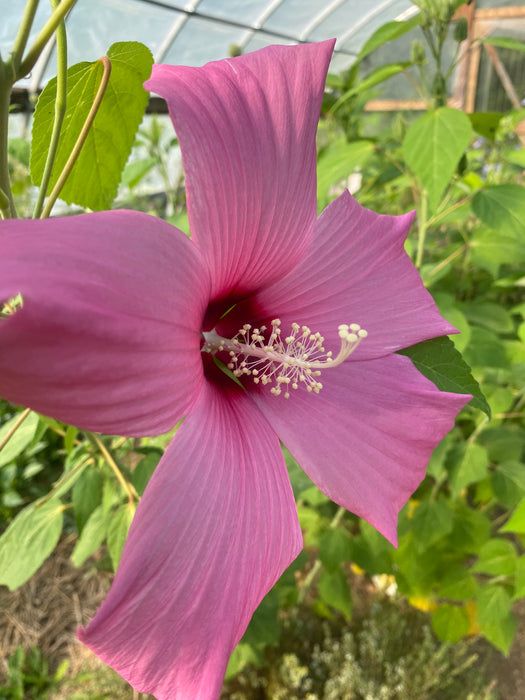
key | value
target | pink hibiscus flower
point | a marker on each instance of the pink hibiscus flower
(123, 316)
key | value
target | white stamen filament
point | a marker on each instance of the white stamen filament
(289, 362)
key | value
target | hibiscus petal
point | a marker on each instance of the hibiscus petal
(355, 271)
(367, 437)
(247, 130)
(215, 529)
(108, 336)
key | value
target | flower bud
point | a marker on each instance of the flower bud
(461, 29)
(399, 127)
(234, 50)
(417, 53)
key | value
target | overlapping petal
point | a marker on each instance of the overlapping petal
(216, 527)
(247, 130)
(108, 336)
(355, 271)
(366, 439)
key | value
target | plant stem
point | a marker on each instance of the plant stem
(15, 427)
(64, 479)
(80, 140)
(447, 260)
(317, 564)
(422, 215)
(60, 110)
(22, 37)
(434, 220)
(8, 210)
(128, 488)
(43, 37)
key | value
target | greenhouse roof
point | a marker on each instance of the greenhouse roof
(197, 31)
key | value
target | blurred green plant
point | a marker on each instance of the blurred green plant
(388, 653)
(28, 676)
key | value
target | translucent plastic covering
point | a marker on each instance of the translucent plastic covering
(197, 31)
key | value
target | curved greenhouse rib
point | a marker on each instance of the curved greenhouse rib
(374, 12)
(261, 19)
(319, 18)
(175, 29)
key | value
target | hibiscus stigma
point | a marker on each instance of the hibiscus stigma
(290, 361)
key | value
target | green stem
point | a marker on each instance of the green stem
(58, 485)
(80, 140)
(60, 111)
(434, 220)
(22, 36)
(15, 427)
(128, 488)
(44, 36)
(447, 260)
(317, 564)
(7, 208)
(422, 218)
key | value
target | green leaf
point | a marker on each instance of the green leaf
(264, 626)
(335, 548)
(504, 42)
(372, 79)
(508, 483)
(436, 466)
(73, 470)
(338, 161)
(92, 536)
(28, 541)
(314, 496)
(95, 177)
(473, 467)
(495, 618)
(138, 169)
(486, 350)
(504, 443)
(516, 522)
(471, 529)
(242, 655)
(298, 478)
(262, 631)
(514, 156)
(87, 495)
(432, 520)
(458, 583)
(387, 32)
(433, 147)
(497, 557)
(181, 221)
(335, 592)
(490, 249)
(502, 207)
(118, 531)
(20, 439)
(144, 469)
(489, 315)
(519, 591)
(415, 575)
(371, 551)
(450, 623)
(111, 494)
(439, 361)
(485, 123)
(448, 309)
(69, 438)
